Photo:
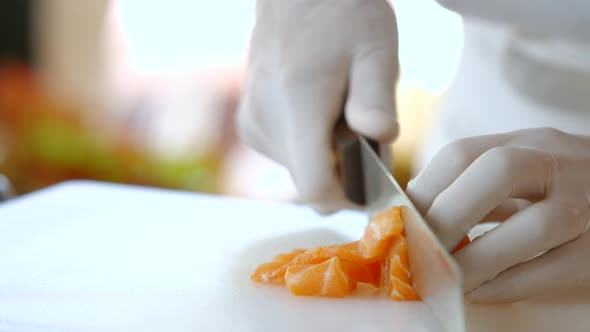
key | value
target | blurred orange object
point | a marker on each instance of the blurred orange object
(45, 140)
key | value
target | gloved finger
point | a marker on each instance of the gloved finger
(506, 209)
(374, 70)
(313, 106)
(370, 105)
(540, 227)
(563, 266)
(446, 166)
(498, 174)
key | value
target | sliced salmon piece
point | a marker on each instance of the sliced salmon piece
(397, 264)
(379, 232)
(401, 291)
(396, 277)
(274, 271)
(266, 273)
(324, 279)
(350, 252)
(288, 256)
(362, 273)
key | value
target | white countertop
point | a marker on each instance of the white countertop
(86, 256)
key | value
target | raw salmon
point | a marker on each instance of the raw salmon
(396, 272)
(378, 261)
(324, 279)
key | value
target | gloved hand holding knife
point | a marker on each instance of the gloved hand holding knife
(309, 60)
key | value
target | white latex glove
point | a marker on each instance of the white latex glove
(309, 60)
(562, 19)
(480, 178)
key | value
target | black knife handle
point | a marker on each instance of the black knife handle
(349, 161)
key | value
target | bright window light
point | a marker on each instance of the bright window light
(431, 40)
(184, 35)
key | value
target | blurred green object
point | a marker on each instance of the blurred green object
(46, 141)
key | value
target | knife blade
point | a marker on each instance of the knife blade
(368, 182)
(435, 275)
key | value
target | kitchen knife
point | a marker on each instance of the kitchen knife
(368, 182)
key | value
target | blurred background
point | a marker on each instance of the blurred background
(145, 92)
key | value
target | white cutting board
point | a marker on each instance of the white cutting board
(85, 256)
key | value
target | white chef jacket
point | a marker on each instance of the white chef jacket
(520, 71)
